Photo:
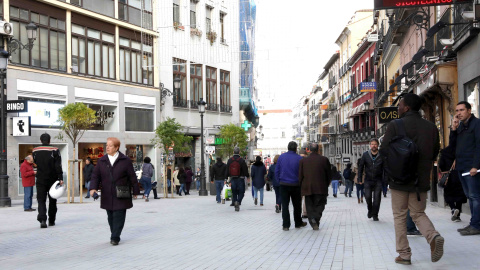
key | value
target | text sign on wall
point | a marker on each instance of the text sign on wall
(368, 86)
(388, 4)
(387, 114)
(14, 106)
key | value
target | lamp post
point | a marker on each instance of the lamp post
(366, 107)
(203, 185)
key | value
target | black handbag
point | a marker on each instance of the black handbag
(445, 175)
(121, 192)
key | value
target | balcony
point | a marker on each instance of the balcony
(325, 95)
(226, 108)
(331, 130)
(180, 103)
(211, 107)
(325, 116)
(332, 107)
(245, 98)
(324, 139)
(193, 104)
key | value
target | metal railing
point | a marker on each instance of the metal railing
(226, 108)
(180, 103)
(193, 104)
(211, 107)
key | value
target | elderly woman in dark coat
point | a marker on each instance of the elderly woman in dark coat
(258, 172)
(114, 169)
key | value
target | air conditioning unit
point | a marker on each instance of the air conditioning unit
(6, 28)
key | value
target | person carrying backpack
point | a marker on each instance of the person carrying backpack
(237, 170)
(347, 174)
(410, 193)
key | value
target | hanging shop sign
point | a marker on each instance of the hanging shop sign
(346, 160)
(387, 114)
(210, 150)
(210, 140)
(103, 116)
(388, 4)
(21, 126)
(16, 106)
(372, 38)
(368, 86)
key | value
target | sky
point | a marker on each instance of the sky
(294, 41)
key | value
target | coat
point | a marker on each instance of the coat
(147, 170)
(189, 175)
(218, 171)
(453, 192)
(426, 136)
(87, 172)
(370, 170)
(258, 172)
(175, 179)
(122, 173)
(28, 174)
(271, 175)
(314, 175)
(467, 141)
(182, 177)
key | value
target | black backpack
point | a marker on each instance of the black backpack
(402, 157)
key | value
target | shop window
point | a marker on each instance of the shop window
(222, 28)
(472, 95)
(139, 119)
(106, 117)
(180, 70)
(136, 62)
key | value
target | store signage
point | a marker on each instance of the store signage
(22, 126)
(338, 156)
(43, 114)
(102, 117)
(346, 160)
(372, 38)
(368, 86)
(15, 106)
(210, 140)
(388, 4)
(219, 141)
(387, 114)
(210, 150)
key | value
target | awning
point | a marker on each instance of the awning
(360, 109)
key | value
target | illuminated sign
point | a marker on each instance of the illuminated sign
(387, 4)
(43, 114)
(387, 114)
(17, 106)
(368, 86)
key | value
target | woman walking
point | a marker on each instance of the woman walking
(189, 179)
(336, 178)
(146, 180)
(360, 187)
(176, 182)
(114, 171)
(182, 177)
(197, 179)
(276, 184)
(87, 174)
(258, 172)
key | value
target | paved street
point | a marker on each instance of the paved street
(196, 233)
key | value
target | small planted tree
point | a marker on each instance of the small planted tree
(168, 134)
(232, 136)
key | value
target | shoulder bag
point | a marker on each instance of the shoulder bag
(445, 175)
(122, 192)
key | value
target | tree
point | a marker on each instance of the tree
(232, 137)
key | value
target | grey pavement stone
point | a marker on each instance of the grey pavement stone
(193, 232)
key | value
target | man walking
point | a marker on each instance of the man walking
(28, 181)
(314, 177)
(237, 170)
(413, 195)
(287, 172)
(347, 174)
(49, 170)
(371, 164)
(218, 174)
(466, 134)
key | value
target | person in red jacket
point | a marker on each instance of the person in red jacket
(28, 181)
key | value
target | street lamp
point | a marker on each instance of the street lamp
(14, 44)
(203, 185)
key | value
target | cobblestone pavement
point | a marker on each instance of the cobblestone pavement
(193, 232)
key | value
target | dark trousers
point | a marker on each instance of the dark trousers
(294, 193)
(456, 205)
(315, 205)
(187, 187)
(373, 190)
(385, 188)
(116, 220)
(278, 196)
(42, 193)
(410, 224)
(238, 189)
(348, 187)
(360, 190)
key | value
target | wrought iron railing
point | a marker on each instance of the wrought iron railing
(180, 103)
(211, 107)
(226, 108)
(193, 104)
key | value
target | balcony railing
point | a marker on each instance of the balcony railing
(325, 116)
(193, 104)
(226, 108)
(211, 107)
(325, 95)
(331, 130)
(180, 103)
(332, 107)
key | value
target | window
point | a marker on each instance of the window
(138, 119)
(208, 19)
(225, 105)
(472, 95)
(49, 50)
(176, 11)
(93, 52)
(193, 13)
(131, 11)
(222, 24)
(211, 80)
(180, 70)
(196, 91)
(105, 7)
(135, 66)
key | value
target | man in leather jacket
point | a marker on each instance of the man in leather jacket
(372, 165)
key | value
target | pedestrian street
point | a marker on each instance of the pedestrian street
(192, 232)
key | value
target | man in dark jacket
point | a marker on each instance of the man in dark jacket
(347, 174)
(49, 170)
(287, 172)
(218, 173)
(404, 197)
(237, 178)
(466, 134)
(372, 164)
(314, 176)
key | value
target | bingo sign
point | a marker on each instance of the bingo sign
(368, 87)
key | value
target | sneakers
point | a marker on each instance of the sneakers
(457, 219)
(436, 247)
(470, 231)
(255, 201)
(303, 224)
(43, 224)
(277, 208)
(414, 233)
(464, 228)
(237, 207)
(146, 199)
(285, 229)
(399, 260)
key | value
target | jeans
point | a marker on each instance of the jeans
(385, 188)
(278, 197)
(256, 190)
(219, 187)
(335, 186)
(373, 190)
(116, 220)
(87, 186)
(471, 187)
(410, 224)
(27, 197)
(182, 187)
(238, 189)
(294, 193)
(42, 194)
(197, 183)
(147, 185)
(360, 190)
(169, 183)
(348, 187)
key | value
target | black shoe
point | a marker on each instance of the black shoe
(43, 224)
(179, 194)
(350, 195)
(232, 204)
(301, 225)
(86, 197)
(255, 201)
(414, 233)
(345, 194)
(335, 195)
(51, 223)
(369, 215)
(113, 242)
(385, 195)
(304, 216)
(29, 210)
(314, 224)
(156, 198)
(237, 207)
(375, 218)
(277, 209)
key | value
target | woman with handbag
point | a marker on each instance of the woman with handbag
(116, 175)
(449, 180)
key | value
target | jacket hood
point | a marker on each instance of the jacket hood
(259, 163)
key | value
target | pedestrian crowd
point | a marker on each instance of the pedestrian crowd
(402, 160)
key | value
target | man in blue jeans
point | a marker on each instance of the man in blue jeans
(218, 174)
(237, 170)
(465, 135)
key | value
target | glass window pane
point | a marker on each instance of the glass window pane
(53, 22)
(24, 54)
(199, 70)
(105, 60)
(208, 72)
(150, 70)
(24, 14)
(124, 42)
(91, 59)
(122, 64)
(98, 60)
(34, 16)
(14, 12)
(147, 48)
(148, 5)
(127, 66)
(139, 68)
(74, 46)
(108, 38)
(43, 19)
(93, 33)
(82, 55)
(182, 67)
(36, 54)
(214, 74)
(135, 3)
(134, 67)
(53, 50)
(62, 53)
(111, 62)
(77, 29)
(136, 45)
(61, 25)
(192, 70)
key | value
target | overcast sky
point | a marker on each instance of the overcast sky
(294, 40)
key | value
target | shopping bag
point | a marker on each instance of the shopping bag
(227, 192)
